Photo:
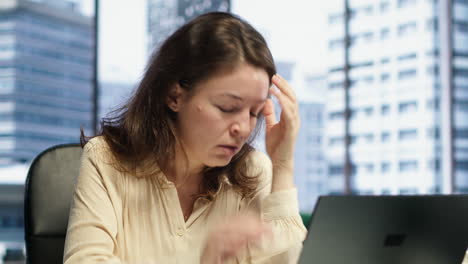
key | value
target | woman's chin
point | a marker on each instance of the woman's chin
(218, 162)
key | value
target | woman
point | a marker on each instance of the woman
(173, 177)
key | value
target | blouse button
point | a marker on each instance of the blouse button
(180, 232)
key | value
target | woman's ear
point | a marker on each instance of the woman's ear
(175, 98)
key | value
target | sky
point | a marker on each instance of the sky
(292, 29)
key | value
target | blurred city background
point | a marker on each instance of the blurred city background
(382, 87)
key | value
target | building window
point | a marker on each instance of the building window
(368, 111)
(461, 134)
(385, 136)
(384, 60)
(335, 18)
(333, 141)
(406, 29)
(369, 138)
(460, 26)
(384, 77)
(408, 165)
(432, 25)
(368, 168)
(461, 165)
(407, 74)
(385, 109)
(407, 57)
(385, 167)
(433, 104)
(406, 107)
(335, 44)
(408, 134)
(335, 170)
(433, 133)
(434, 164)
(406, 3)
(335, 85)
(384, 33)
(384, 6)
(433, 70)
(335, 115)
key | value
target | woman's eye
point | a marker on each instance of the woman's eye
(253, 114)
(226, 110)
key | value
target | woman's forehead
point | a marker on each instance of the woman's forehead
(244, 82)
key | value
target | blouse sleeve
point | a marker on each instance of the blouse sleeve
(280, 209)
(92, 225)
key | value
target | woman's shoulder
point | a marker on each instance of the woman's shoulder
(97, 148)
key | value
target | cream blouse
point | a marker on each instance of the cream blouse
(119, 218)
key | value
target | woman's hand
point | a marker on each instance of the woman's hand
(229, 238)
(281, 136)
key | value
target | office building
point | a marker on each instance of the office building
(403, 138)
(46, 55)
(165, 16)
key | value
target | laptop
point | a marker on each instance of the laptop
(387, 230)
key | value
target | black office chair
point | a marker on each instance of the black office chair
(48, 193)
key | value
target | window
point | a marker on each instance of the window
(407, 57)
(406, 3)
(335, 115)
(408, 134)
(384, 60)
(406, 29)
(367, 79)
(385, 136)
(432, 25)
(369, 138)
(335, 85)
(433, 133)
(461, 134)
(385, 167)
(434, 164)
(433, 104)
(368, 167)
(460, 26)
(384, 77)
(368, 111)
(433, 70)
(407, 74)
(408, 165)
(335, 44)
(335, 18)
(406, 107)
(385, 109)
(384, 33)
(335, 170)
(461, 165)
(334, 141)
(384, 6)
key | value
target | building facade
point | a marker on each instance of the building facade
(396, 118)
(165, 16)
(45, 77)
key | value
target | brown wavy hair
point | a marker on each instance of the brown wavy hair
(141, 134)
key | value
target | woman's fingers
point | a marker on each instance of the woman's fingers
(283, 86)
(289, 108)
(269, 114)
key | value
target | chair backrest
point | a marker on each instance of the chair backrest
(48, 193)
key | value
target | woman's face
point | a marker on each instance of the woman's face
(217, 119)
